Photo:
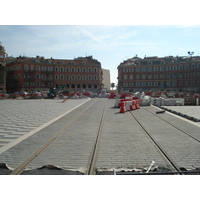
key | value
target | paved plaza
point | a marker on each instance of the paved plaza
(27, 124)
(21, 118)
(193, 111)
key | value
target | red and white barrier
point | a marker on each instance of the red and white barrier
(127, 104)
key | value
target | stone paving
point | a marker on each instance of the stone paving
(123, 143)
(20, 117)
(193, 111)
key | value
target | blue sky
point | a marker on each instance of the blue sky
(108, 44)
(110, 31)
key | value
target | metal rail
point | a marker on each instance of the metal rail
(162, 152)
(93, 156)
(180, 129)
(21, 167)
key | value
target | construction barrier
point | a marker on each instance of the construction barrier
(127, 104)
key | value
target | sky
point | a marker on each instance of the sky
(111, 40)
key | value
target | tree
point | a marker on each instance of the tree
(112, 85)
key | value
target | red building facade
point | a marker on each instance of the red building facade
(177, 74)
(2, 69)
(37, 74)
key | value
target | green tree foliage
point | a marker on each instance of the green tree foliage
(112, 85)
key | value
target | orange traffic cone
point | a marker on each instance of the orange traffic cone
(122, 109)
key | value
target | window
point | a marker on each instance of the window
(149, 69)
(155, 69)
(32, 67)
(43, 76)
(180, 67)
(180, 75)
(43, 68)
(186, 67)
(83, 77)
(131, 84)
(174, 68)
(137, 84)
(26, 84)
(162, 76)
(89, 77)
(125, 77)
(61, 77)
(89, 69)
(56, 77)
(180, 83)
(192, 83)
(73, 77)
(95, 77)
(155, 76)
(37, 68)
(155, 84)
(78, 69)
(67, 69)
(50, 69)
(149, 83)
(162, 83)
(174, 75)
(50, 77)
(26, 67)
(125, 84)
(67, 77)
(32, 84)
(193, 66)
(37, 76)
(143, 76)
(131, 69)
(95, 69)
(72, 69)
(78, 77)
(187, 75)
(124, 69)
(62, 69)
(137, 77)
(143, 84)
(174, 83)
(192, 75)
(149, 76)
(168, 75)
(131, 76)
(143, 69)
(137, 69)
(168, 83)
(168, 68)
(83, 69)
(162, 69)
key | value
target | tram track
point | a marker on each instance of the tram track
(175, 126)
(93, 153)
(93, 157)
(18, 170)
(168, 160)
(88, 158)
